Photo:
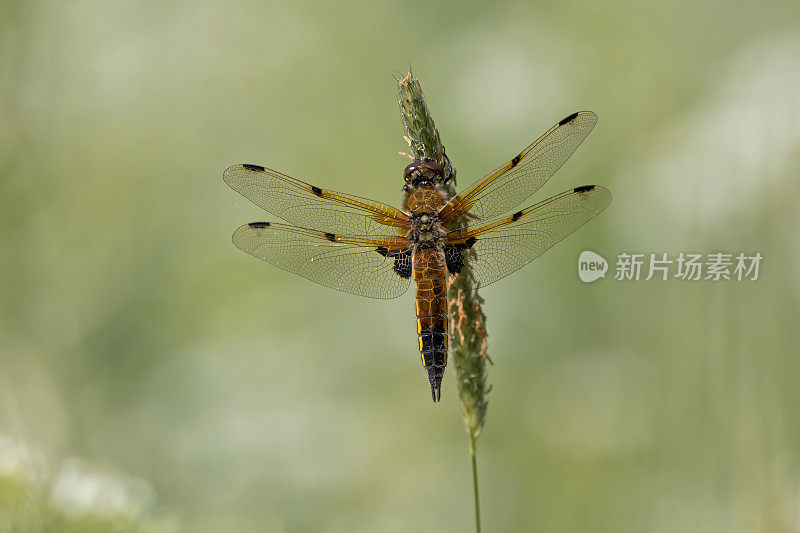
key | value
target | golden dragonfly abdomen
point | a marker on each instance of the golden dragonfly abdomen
(430, 275)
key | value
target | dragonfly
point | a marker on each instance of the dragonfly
(372, 249)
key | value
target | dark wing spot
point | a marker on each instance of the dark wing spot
(257, 168)
(567, 119)
(331, 237)
(382, 250)
(402, 264)
(259, 224)
(515, 161)
(316, 190)
(516, 216)
(583, 188)
(454, 257)
(469, 242)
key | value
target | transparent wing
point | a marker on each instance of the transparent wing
(307, 206)
(359, 265)
(509, 185)
(500, 247)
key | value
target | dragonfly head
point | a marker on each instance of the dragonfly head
(424, 174)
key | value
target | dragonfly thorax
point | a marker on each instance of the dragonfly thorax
(425, 228)
(423, 206)
(427, 201)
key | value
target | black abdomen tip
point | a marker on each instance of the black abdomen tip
(436, 391)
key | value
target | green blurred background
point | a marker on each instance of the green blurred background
(154, 377)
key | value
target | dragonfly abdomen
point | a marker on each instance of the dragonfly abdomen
(430, 275)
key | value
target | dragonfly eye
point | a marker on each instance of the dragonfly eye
(409, 170)
(435, 168)
(425, 173)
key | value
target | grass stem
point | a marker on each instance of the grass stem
(473, 453)
(467, 321)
